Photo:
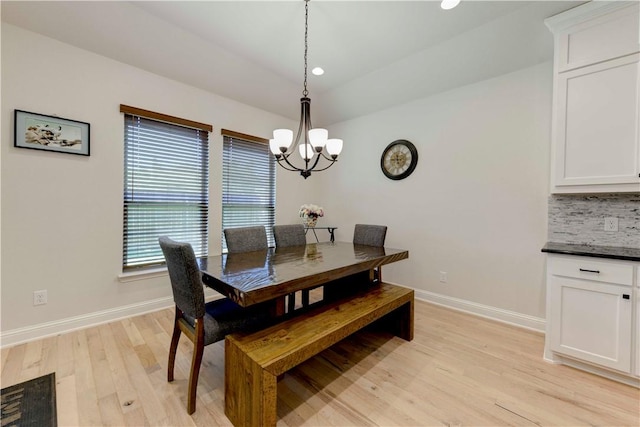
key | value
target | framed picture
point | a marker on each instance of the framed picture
(50, 133)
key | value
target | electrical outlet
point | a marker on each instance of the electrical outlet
(39, 297)
(443, 276)
(611, 224)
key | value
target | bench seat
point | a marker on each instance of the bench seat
(253, 361)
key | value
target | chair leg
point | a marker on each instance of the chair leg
(174, 345)
(195, 366)
(305, 297)
(291, 302)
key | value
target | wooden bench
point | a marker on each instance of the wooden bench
(254, 361)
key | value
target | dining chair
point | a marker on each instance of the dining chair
(202, 323)
(291, 235)
(370, 235)
(246, 239)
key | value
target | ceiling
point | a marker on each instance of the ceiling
(376, 54)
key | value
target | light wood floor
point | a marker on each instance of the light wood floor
(459, 370)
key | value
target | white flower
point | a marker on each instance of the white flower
(310, 210)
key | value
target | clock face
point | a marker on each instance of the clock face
(399, 159)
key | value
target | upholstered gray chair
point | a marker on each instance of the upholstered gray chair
(370, 235)
(202, 323)
(246, 239)
(291, 235)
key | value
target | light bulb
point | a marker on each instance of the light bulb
(284, 137)
(449, 4)
(334, 146)
(274, 147)
(318, 137)
(306, 154)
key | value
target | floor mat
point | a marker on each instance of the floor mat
(31, 403)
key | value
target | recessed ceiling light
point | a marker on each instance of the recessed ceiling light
(449, 4)
(317, 71)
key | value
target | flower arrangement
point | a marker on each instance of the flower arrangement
(310, 213)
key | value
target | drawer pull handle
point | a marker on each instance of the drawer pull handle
(590, 271)
(625, 296)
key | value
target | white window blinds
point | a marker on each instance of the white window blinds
(165, 187)
(248, 183)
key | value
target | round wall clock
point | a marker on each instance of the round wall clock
(399, 159)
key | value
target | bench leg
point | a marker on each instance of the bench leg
(398, 322)
(250, 393)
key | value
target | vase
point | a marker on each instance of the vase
(311, 221)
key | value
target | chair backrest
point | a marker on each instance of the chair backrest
(185, 276)
(370, 235)
(289, 235)
(246, 239)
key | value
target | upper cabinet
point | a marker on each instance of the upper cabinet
(596, 100)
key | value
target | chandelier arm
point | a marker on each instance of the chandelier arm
(314, 164)
(286, 168)
(295, 168)
(325, 168)
(328, 158)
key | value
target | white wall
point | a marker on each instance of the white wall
(476, 205)
(62, 214)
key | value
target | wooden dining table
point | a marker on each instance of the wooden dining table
(269, 275)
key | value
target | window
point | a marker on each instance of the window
(166, 185)
(248, 183)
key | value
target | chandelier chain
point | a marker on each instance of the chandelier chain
(305, 92)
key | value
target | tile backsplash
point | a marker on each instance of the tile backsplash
(579, 219)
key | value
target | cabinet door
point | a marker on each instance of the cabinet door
(596, 133)
(596, 37)
(591, 321)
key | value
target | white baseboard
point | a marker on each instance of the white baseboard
(493, 313)
(43, 330)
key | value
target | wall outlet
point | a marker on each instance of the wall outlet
(39, 297)
(443, 276)
(611, 224)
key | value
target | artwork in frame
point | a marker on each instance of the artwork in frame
(50, 133)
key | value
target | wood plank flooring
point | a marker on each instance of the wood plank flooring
(458, 370)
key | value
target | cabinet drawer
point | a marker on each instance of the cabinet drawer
(591, 269)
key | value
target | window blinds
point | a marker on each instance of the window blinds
(248, 185)
(165, 188)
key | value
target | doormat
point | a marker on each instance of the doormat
(31, 403)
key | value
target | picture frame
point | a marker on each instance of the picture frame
(51, 133)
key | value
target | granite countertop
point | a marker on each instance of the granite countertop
(611, 252)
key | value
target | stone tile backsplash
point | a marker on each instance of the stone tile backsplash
(579, 219)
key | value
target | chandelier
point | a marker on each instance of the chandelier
(312, 143)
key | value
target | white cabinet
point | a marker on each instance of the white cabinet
(590, 312)
(596, 101)
(636, 334)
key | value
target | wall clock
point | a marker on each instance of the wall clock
(399, 159)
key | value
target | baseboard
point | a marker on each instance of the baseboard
(505, 316)
(43, 330)
(594, 369)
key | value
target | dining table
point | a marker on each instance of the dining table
(256, 277)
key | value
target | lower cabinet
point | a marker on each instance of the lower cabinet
(590, 312)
